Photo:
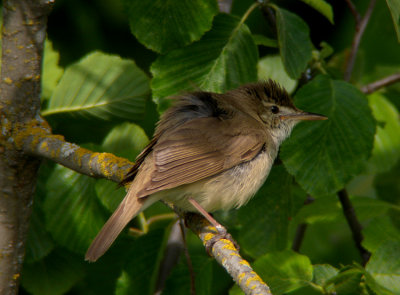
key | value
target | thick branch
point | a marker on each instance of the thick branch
(34, 139)
(360, 28)
(374, 86)
(23, 34)
(354, 224)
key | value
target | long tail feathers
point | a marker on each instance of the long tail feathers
(127, 210)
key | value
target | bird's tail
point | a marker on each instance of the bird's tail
(128, 209)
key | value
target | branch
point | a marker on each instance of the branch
(354, 12)
(360, 28)
(354, 224)
(301, 229)
(374, 86)
(226, 254)
(35, 139)
(23, 34)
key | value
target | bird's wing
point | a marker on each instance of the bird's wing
(198, 149)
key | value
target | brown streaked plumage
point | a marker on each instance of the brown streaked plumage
(216, 149)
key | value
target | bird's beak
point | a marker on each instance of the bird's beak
(304, 116)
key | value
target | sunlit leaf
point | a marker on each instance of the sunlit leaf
(386, 150)
(164, 25)
(322, 7)
(52, 72)
(271, 67)
(103, 87)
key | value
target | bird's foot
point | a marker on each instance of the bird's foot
(222, 234)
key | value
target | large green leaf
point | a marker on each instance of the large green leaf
(224, 58)
(384, 265)
(73, 213)
(126, 140)
(164, 25)
(284, 271)
(52, 72)
(141, 268)
(103, 87)
(386, 150)
(322, 6)
(324, 156)
(322, 273)
(271, 67)
(265, 219)
(394, 7)
(294, 42)
(54, 275)
(179, 282)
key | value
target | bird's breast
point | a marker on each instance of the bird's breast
(229, 189)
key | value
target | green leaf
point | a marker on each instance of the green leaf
(265, 41)
(103, 87)
(394, 7)
(379, 231)
(265, 219)
(271, 67)
(52, 72)
(324, 156)
(39, 243)
(179, 280)
(126, 140)
(294, 42)
(323, 273)
(224, 58)
(348, 280)
(386, 150)
(322, 7)
(164, 25)
(284, 271)
(141, 268)
(73, 213)
(384, 265)
(54, 275)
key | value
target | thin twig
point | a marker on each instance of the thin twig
(374, 86)
(299, 236)
(301, 229)
(188, 259)
(360, 28)
(354, 225)
(353, 10)
(171, 256)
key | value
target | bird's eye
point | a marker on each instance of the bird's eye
(274, 109)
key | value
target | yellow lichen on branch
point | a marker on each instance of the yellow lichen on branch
(35, 138)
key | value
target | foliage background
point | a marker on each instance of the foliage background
(103, 88)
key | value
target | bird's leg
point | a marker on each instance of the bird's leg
(222, 232)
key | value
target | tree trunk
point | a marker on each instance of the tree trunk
(23, 35)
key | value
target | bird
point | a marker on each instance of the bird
(209, 152)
